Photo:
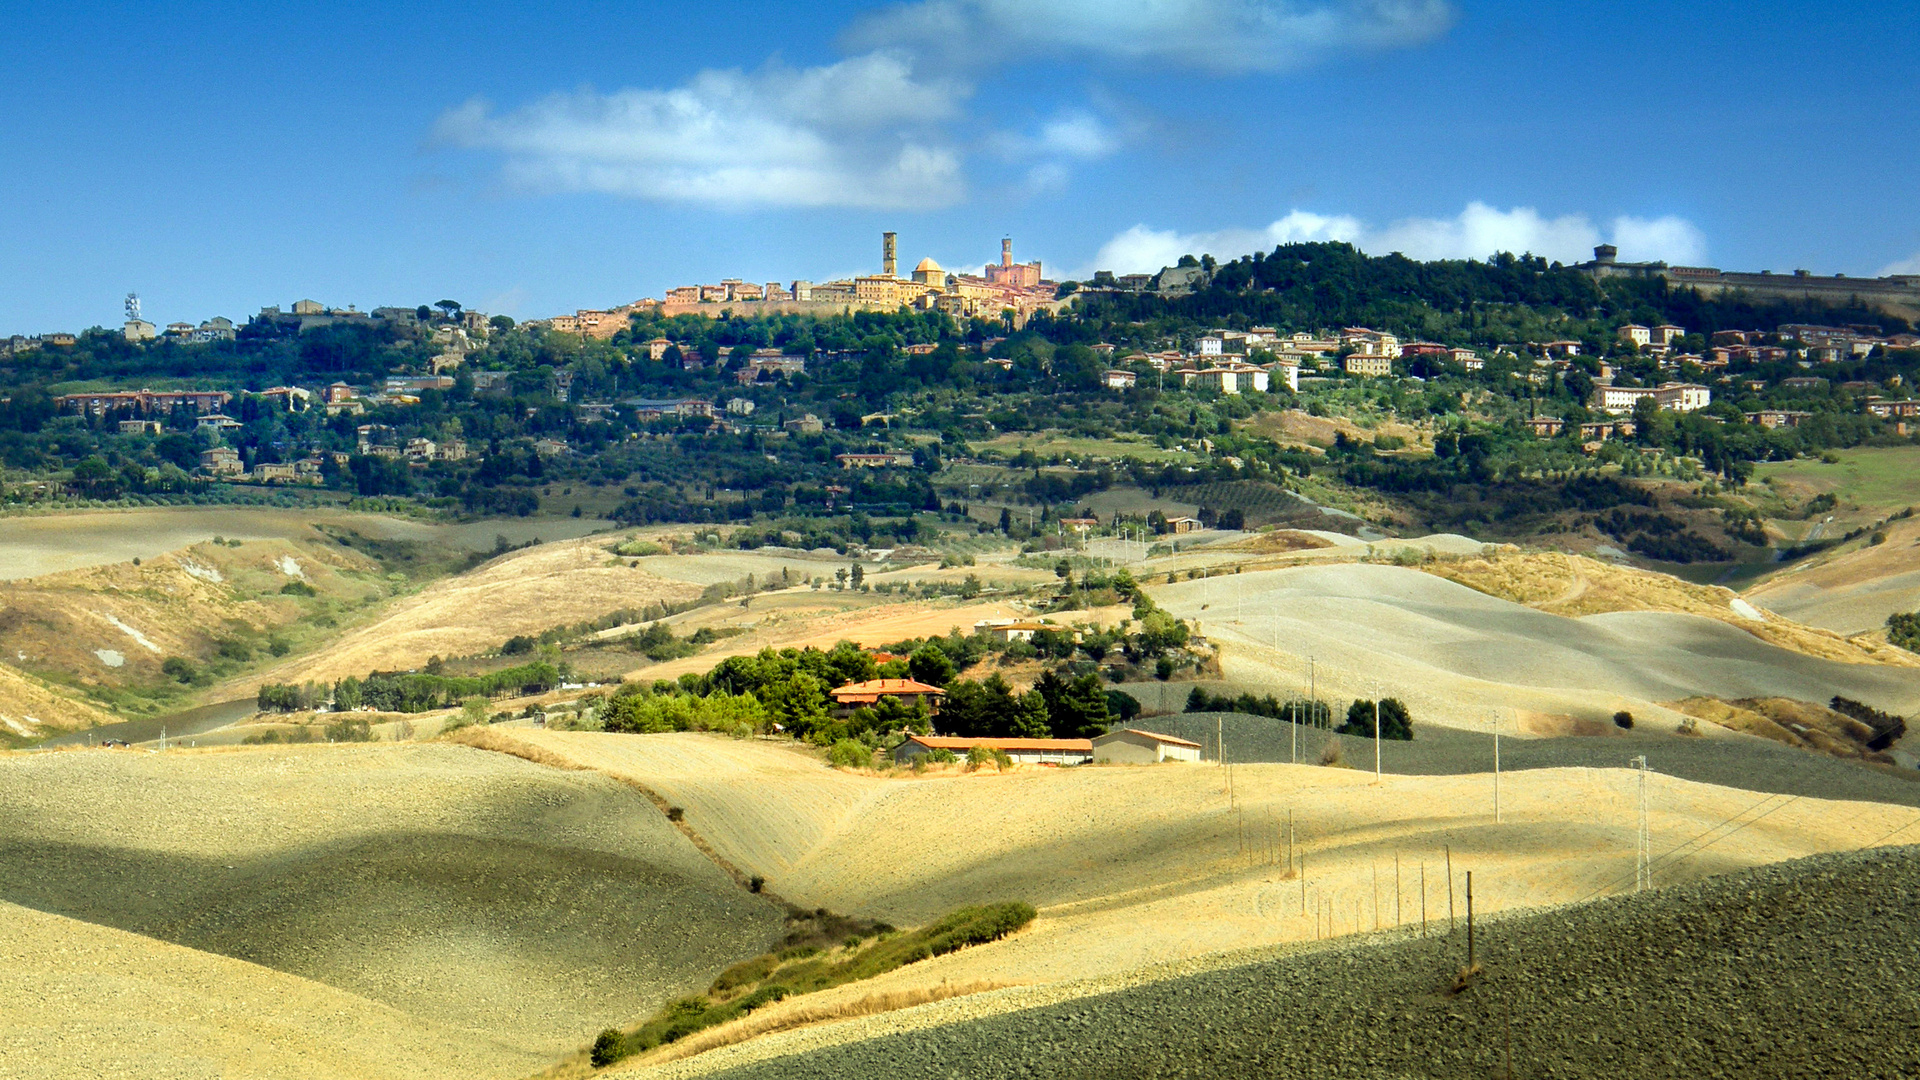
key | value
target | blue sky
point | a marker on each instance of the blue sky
(534, 160)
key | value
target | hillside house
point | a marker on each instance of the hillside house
(873, 461)
(1232, 377)
(1672, 396)
(221, 461)
(1022, 751)
(1118, 379)
(1133, 746)
(858, 695)
(1009, 632)
(1371, 366)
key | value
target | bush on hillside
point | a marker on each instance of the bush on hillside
(850, 754)
(1903, 629)
(1623, 719)
(851, 952)
(1395, 721)
(297, 588)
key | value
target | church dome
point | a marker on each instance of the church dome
(926, 266)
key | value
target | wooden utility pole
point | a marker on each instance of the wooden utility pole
(1376, 737)
(1450, 924)
(1423, 898)
(1376, 896)
(1469, 920)
(1496, 768)
(1396, 888)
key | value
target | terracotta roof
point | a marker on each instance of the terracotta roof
(944, 742)
(1157, 737)
(873, 688)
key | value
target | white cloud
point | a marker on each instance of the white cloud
(1141, 250)
(1666, 239)
(1213, 35)
(864, 132)
(1904, 266)
(1477, 232)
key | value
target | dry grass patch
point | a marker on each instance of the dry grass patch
(1280, 541)
(486, 738)
(1574, 586)
(1795, 723)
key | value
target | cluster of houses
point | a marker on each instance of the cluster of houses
(1127, 746)
(1006, 286)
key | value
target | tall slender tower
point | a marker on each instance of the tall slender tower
(1006, 251)
(888, 264)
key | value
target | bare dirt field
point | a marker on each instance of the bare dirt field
(1132, 866)
(1465, 659)
(85, 1000)
(1707, 979)
(521, 906)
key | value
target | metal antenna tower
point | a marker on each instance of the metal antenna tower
(133, 307)
(1643, 852)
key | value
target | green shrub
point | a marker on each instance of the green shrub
(297, 588)
(802, 969)
(850, 754)
(350, 729)
(1395, 721)
(606, 1049)
(1623, 719)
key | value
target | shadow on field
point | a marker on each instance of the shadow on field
(1753, 764)
(494, 934)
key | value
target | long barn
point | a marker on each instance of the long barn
(1022, 751)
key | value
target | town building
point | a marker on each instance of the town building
(1010, 273)
(805, 425)
(1133, 746)
(873, 461)
(1119, 379)
(143, 401)
(1672, 396)
(1368, 364)
(1235, 377)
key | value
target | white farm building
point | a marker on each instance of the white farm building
(1132, 746)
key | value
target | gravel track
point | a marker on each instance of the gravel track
(1748, 763)
(1800, 969)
